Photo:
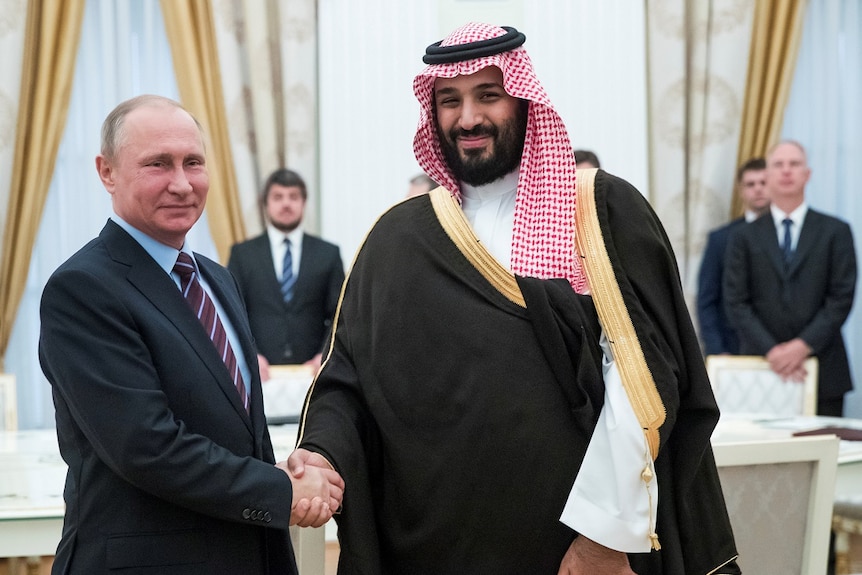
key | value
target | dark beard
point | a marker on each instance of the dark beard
(475, 170)
(283, 228)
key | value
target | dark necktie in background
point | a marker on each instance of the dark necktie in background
(204, 308)
(788, 240)
(287, 278)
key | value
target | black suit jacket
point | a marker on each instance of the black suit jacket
(294, 332)
(167, 471)
(715, 332)
(769, 303)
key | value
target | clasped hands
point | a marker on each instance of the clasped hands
(317, 488)
(787, 359)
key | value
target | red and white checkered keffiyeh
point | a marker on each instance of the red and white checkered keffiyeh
(543, 239)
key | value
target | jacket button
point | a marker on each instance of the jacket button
(246, 513)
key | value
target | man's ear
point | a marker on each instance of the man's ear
(106, 172)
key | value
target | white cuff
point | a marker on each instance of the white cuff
(604, 526)
(609, 502)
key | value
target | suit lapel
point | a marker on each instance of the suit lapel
(768, 239)
(152, 282)
(306, 264)
(808, 236)
(230, 301)
(262, 254)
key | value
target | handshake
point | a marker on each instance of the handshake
(317, 488)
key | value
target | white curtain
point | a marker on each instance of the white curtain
(268, 59)
(824, 115)
(124, 52)
(12, 24)
(697, 86)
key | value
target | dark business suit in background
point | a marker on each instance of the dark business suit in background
(769, 302)
(717, 337)
(168, 473)
(289, 332)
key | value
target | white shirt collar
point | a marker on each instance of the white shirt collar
(276, 237)
(797, 215)
(490, 209)
(165, 255)
(496, 188)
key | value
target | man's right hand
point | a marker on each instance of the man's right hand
(317, 488)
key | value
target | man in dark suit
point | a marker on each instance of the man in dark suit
(789, 282)
(160, 419)
(716, 335)
(290, 280)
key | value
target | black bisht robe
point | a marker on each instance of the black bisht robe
(459, 414)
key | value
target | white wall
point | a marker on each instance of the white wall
(589, 55)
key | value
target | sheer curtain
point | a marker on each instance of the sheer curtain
(696, 55)
(823, 115)
(267, 52)
(191, 33)
(123, 52)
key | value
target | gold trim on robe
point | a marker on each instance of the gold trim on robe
(458, 229)
(614, 316)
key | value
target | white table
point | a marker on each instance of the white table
(848, 480)
(32, 476)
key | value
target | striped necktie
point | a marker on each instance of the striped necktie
(204, 308)
(288, 280)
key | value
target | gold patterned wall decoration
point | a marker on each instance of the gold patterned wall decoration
(723, 117)
(268, 59)
(697, 55)
(301, 124)
(720, 17)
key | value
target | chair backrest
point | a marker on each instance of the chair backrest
(8, 403)
(779, 496)
(284, 392)
(746, 384)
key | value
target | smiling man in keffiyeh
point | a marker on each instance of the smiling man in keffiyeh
(514, 384)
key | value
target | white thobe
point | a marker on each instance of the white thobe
(609, 502)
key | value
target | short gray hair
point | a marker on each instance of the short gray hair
(112, 127)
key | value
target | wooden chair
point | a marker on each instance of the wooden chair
(779, 496)
(846, 522)
(744, 384)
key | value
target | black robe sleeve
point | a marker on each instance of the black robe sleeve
(692, 522)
